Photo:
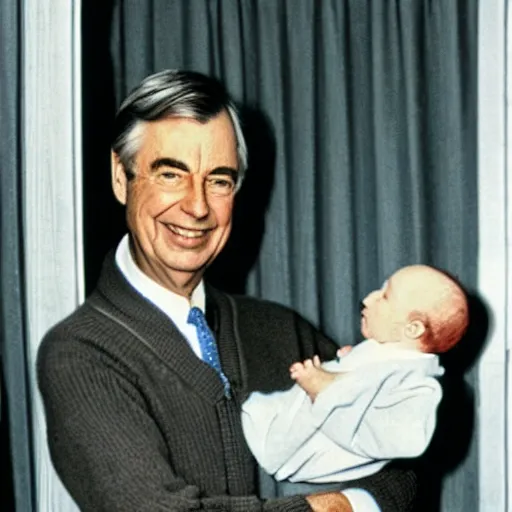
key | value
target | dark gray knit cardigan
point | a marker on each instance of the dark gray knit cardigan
(136, 422)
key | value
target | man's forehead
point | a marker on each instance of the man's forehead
(185, 138)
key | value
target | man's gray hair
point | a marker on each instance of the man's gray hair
(172, 93)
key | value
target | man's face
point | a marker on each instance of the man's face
(180, 202)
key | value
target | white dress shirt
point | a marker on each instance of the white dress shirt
(177, 308)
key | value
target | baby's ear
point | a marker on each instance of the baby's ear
(414, 329)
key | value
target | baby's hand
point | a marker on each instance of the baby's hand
(311, 377)
(297, 369)
(343, 351)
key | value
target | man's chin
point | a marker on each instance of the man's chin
(188, 269)
(189, 264)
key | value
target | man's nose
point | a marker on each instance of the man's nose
(195, 202)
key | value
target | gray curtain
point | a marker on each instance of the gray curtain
(16, 469)
(362, 124)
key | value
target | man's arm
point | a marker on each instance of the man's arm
(394, 488)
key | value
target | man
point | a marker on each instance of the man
(142, 413)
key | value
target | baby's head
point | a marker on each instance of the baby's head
(420, 306)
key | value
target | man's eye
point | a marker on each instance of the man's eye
(221, 184)
(169, 175)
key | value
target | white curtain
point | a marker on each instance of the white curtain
(52, 196)
(508, 202)
(495, 252)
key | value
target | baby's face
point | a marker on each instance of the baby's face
(387, 310)
(379, 317)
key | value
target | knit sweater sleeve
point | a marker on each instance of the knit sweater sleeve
(109, 453)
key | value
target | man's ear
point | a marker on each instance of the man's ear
(119, 179)
(414, 329)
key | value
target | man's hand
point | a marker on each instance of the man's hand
(329, 502)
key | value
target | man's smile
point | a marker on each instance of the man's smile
(187, 233)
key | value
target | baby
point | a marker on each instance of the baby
(346, 419)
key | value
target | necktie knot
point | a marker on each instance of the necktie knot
(196, 317)
(209, 351)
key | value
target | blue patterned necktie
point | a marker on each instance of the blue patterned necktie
(209, 352)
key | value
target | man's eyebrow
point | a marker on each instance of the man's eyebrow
(169, 162)
(222, 171)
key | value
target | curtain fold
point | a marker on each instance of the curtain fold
(17, 477)
(362, 124)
